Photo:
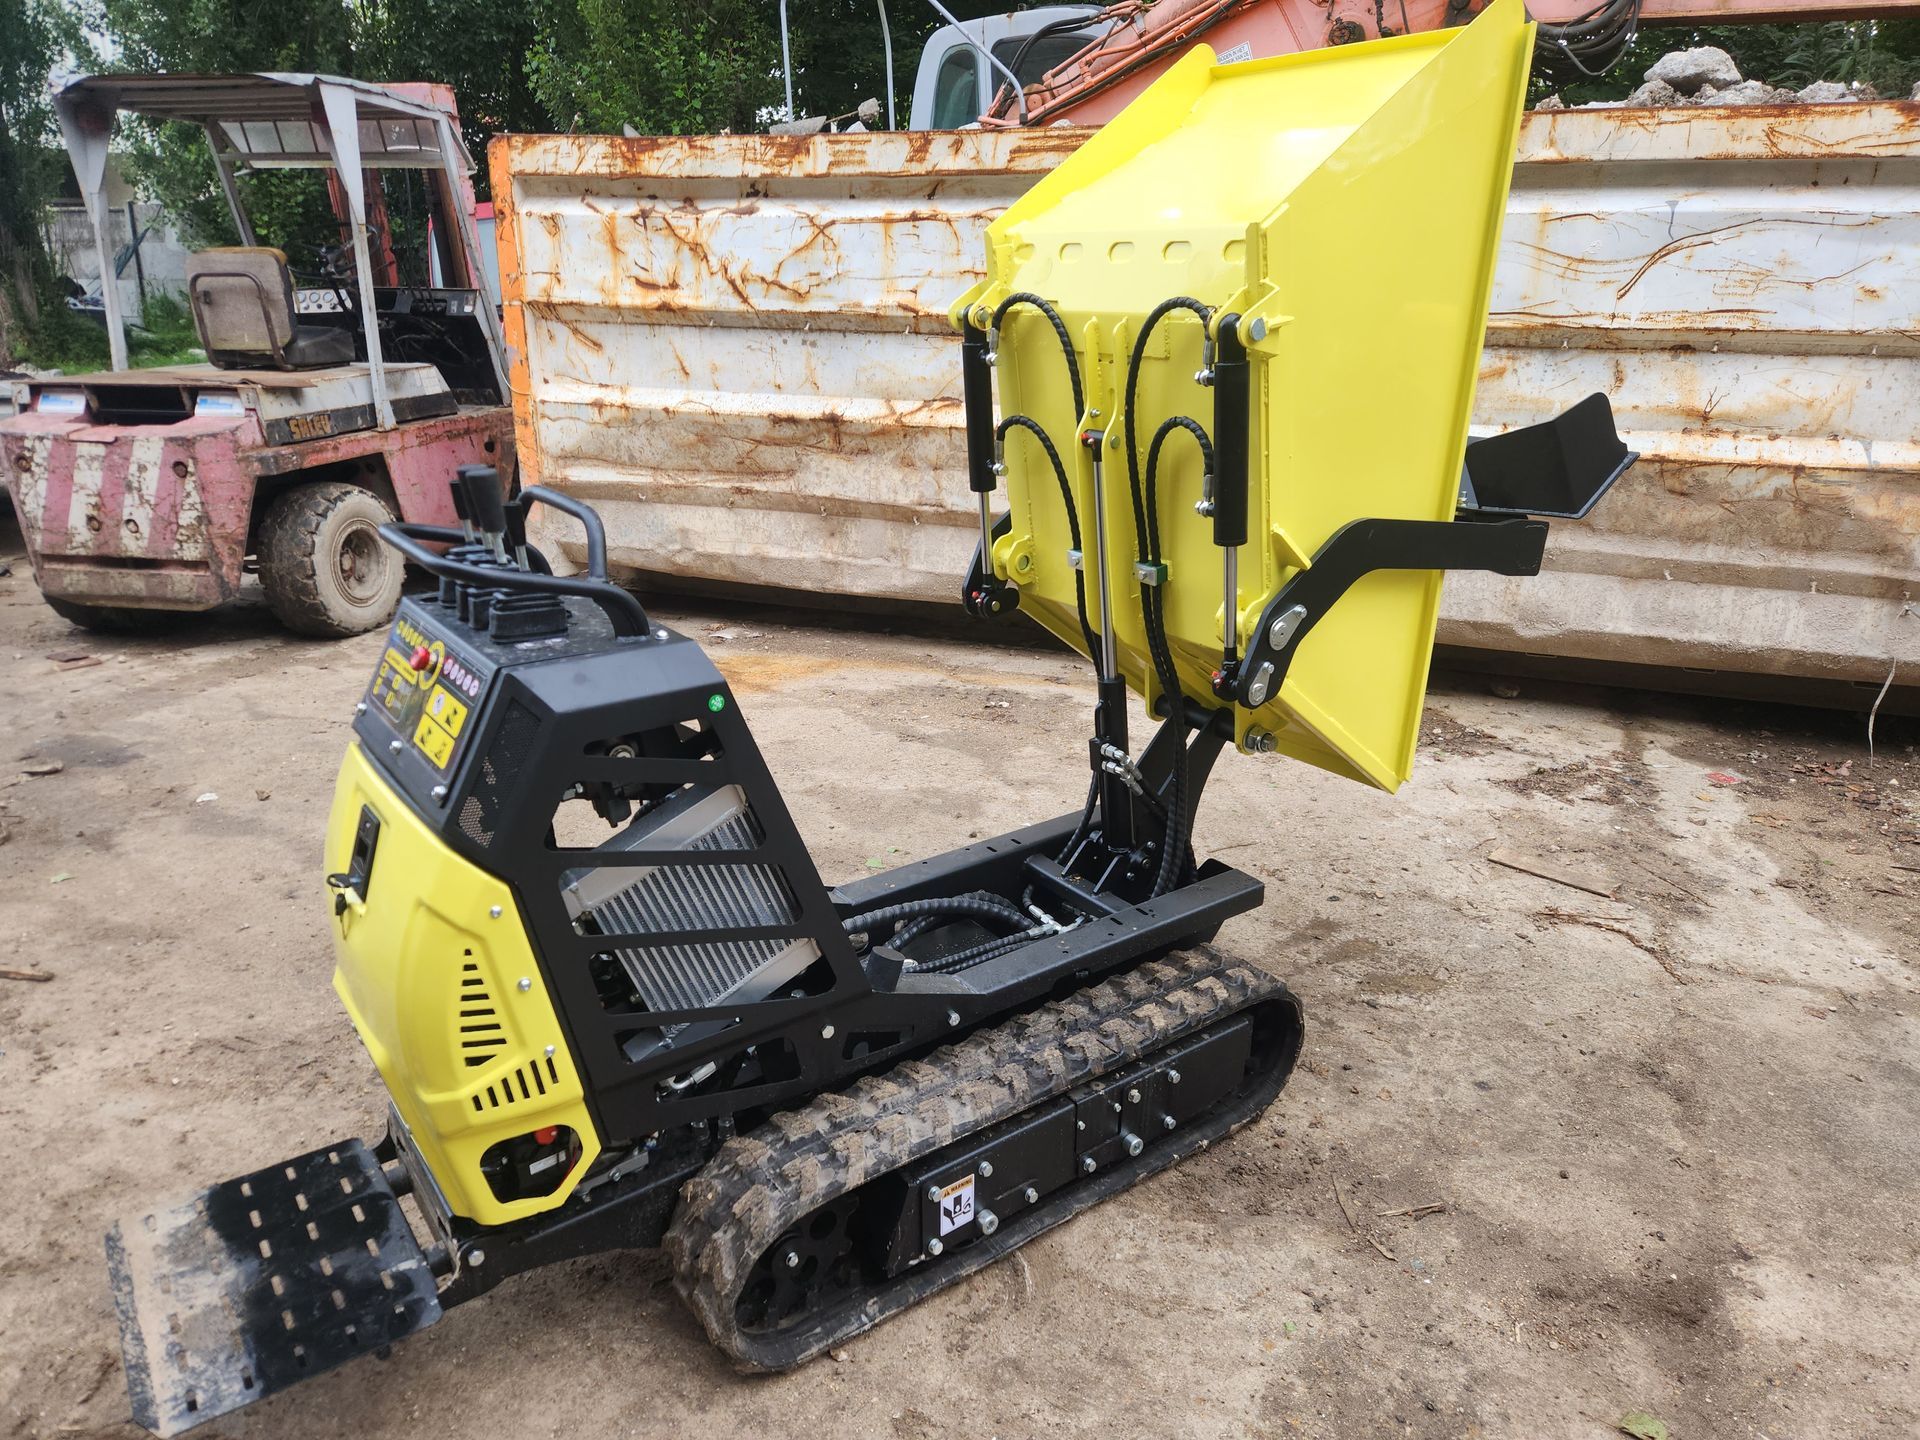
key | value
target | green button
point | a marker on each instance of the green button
(716, 703)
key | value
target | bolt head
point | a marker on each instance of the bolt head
(1257, 330)
(826, 1032)
(1284, 624)
(525, 984)
(933, 1192)
(791, 1259)
(989, 1222)
(550, 1051)
(476, 1257)
(361, 708)
(1133, 1097)
(395, 746)
(1167, 1122)
(986, 1169)
(495, 912)
(1173, 1077)
(953, 1019)
(1089, 1164)
(1032, 1196)
(934, 1247)
(1261, 685)
(1079, 1124)
(439, 792)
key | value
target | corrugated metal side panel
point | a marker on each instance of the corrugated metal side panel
(1741, 282)
(736, 347)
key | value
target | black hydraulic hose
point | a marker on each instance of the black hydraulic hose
(1146, 537)
(1160, 437)
(1079, 835)
(1026, 423)
(913, 930)
(1173, 844)
(1146, 531)
(983, 952)
(1027, 297)
(1154, 317)
(969, 906)
(1591, 42)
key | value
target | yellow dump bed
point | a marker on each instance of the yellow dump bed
(1345, 205)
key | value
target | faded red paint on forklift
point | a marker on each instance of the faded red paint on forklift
(157, 515)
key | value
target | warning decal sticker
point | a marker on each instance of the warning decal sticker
(956, 1205)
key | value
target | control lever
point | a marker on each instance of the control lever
(461, 509)
(487, 505)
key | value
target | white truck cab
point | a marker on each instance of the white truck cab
(955, 83)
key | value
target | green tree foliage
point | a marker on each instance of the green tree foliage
(700, 66)
(1882, 53)
(30, 42)
(172, 163)
(479, 47)
(668, 68)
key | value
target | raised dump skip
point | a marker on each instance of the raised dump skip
(1335, 212)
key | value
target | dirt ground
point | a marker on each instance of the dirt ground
(1663, 1145)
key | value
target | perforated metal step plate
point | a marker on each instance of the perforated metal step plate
(263, 1281)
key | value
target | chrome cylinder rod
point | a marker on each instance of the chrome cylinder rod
(1230, 598)
(1109, 661)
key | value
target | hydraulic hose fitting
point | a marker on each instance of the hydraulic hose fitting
(1204, 376)
(1204, 505)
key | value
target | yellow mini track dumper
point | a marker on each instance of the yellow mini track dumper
(1234, 339)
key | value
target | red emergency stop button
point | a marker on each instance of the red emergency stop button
(546, 1134)
(421, 658)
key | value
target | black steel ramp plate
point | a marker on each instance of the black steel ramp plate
(264, 1281)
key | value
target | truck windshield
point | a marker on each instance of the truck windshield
(1043, 53)
(956, 89)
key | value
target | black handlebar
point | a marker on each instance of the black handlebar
(625, 612)
(589, 521)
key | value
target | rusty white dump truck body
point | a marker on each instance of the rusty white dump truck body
(737, 348)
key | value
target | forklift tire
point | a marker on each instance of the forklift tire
(322, 563)
(113, 619)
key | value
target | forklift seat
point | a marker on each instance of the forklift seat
(242, 300)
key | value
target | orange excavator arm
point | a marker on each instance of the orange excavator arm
(1141, 38)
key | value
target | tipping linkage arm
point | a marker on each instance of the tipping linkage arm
(1558, 468)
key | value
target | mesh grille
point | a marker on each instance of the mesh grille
(697, 897)
(480, 812)
(685, 897)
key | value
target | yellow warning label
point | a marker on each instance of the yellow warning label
(435, 743)
(448, 711)
(402, 666)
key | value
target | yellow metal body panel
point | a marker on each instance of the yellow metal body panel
(432, 976)
(1350, 200)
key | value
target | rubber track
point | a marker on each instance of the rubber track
(761, 1184)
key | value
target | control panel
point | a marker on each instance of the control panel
(421, 706)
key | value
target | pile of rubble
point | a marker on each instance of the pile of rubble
(1707, 76)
